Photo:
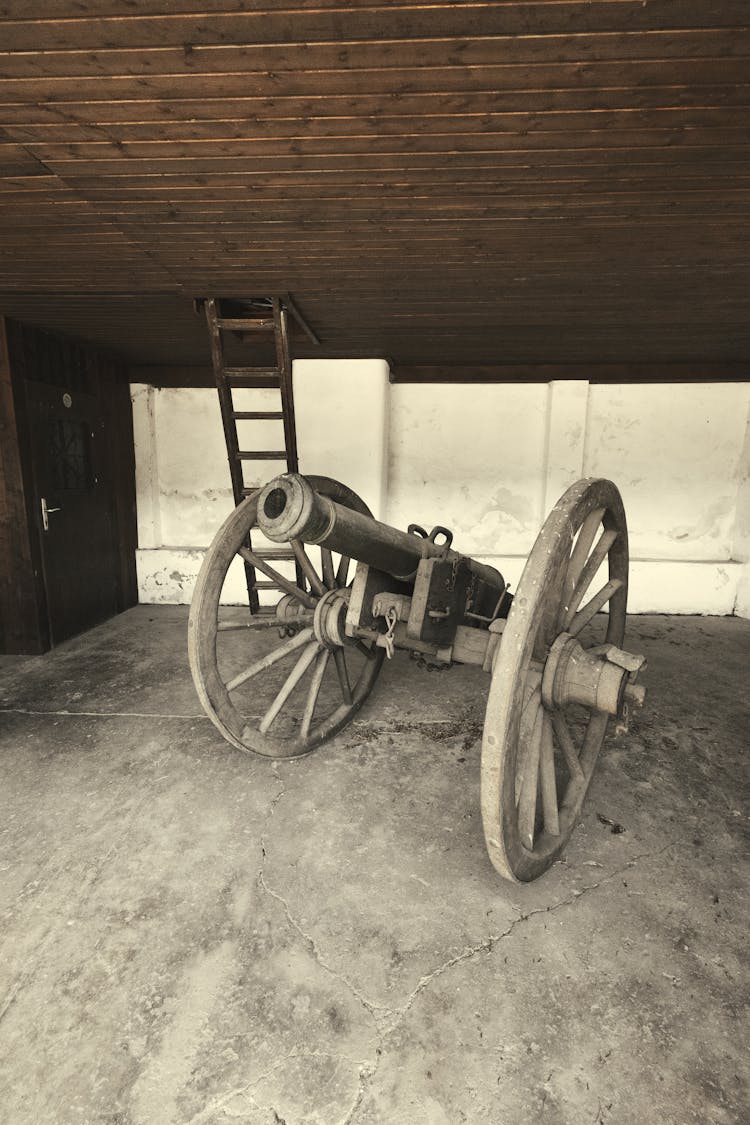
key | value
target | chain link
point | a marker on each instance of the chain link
(391, 617)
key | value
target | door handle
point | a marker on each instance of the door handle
(45, 513)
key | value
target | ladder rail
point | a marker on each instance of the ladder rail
(229, 425)
(225, 398)
(281, 338)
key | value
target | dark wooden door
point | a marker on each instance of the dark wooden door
(74, 507)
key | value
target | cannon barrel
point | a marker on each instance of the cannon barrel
(289, 508)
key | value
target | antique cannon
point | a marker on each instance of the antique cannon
(557, 673)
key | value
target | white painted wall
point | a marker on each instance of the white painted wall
(487, 461)
(741, 541)
(183, 490)
(341, 412)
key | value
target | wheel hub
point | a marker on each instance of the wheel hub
(291, 614)
(601, 678)
(330, 618)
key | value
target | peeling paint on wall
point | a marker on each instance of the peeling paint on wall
(470, 458)
(676, 454)
(167, 575)
(511, 506)
(711, 524)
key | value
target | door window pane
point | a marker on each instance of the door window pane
(70, 454)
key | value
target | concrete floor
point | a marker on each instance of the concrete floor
(192, 935)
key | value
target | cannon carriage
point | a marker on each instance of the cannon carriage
(279, 681)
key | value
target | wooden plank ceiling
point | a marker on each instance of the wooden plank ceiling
(539, 182)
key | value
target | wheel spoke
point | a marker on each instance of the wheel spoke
(533, 687)
(326, 559)
(314, 692)
(530, 784)
(592, 741)
(343, 674)
(595, 560)
(549, 785)
(284, 583)
(342, 572)
(369, 653)
(289, 685)
(592, 607)
(267, 661)
(566, 744)
(307, 568)
(580, 552)
(527, 726)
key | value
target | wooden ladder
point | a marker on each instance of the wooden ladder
(272, 317)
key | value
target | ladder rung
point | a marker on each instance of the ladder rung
(250, 372)
(260, 383)
(273, 553)
(242, 373)
(238, 324)
(261, 455)
(267, 586)
(245, 415)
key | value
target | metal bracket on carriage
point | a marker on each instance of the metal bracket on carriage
(438, 533)
(394, 608)
(602, 678)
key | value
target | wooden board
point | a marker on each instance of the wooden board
(445, 184)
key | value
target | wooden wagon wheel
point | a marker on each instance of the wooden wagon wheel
(538, 754)
(324, 676)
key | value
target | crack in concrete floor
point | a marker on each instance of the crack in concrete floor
(221, 1103)
(386, 1018)
(488, 945)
